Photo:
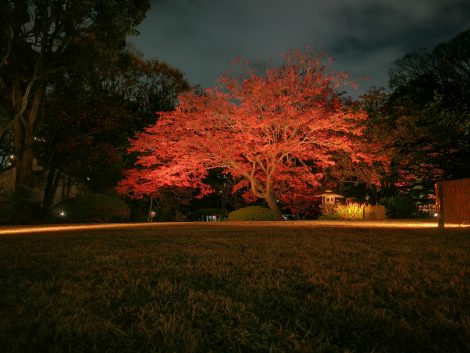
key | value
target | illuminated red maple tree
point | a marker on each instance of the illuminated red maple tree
(274, 133)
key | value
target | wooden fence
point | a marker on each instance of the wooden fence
(373, 212)
(453, 202)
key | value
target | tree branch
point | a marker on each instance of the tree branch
(24, 100)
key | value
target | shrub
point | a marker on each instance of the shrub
(349, 212)
(399, 207)
(253, 213)
(91, 208)
(6, 211)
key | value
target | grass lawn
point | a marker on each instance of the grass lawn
(227, 288)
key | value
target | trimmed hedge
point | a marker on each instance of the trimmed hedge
(91, 208)
(253, 213)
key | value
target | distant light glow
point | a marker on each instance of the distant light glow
(62, 213)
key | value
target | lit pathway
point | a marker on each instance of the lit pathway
(4, 230)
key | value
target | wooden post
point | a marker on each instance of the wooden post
(149, 217)
(440, 205)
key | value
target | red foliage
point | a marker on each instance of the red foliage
(274, 132)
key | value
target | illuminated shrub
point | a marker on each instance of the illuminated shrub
(91, 208)
(399, 207)
(349, 212)
(253, 213)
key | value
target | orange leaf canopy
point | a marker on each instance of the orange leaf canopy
(273, 132)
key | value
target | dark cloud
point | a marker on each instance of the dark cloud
(201, 37)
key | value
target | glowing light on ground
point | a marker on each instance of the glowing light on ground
(71, 227)
(12, 230)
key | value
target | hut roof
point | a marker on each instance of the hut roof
(329, 193)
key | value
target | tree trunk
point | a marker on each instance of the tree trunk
(53, 177)
(341, 186)
(24, 139)
(268, 195)
(24, 127)
(24, 159)
(272, 204)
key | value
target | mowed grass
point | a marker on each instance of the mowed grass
(198, 288)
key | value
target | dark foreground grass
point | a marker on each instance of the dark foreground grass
(236, 289)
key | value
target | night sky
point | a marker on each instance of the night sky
(201, 37)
